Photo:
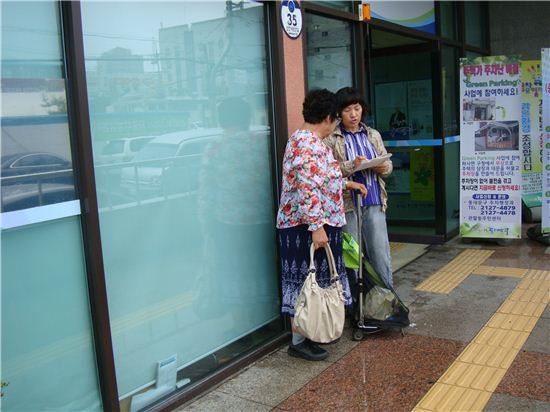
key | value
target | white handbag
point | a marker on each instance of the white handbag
(319, 313)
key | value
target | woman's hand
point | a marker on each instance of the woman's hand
(357, 186)
(319, 238)
(380, 169)
(357, 161)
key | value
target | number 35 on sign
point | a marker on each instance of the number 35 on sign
(291, 18)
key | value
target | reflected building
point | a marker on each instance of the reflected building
(328, 53)
(201, 60)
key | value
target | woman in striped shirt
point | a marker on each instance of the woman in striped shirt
(351, 143)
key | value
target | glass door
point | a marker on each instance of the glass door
(402, 111)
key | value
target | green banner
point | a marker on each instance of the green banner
(531, 132)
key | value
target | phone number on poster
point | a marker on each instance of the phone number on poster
(498, 210)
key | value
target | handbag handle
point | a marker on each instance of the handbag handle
(331, 263)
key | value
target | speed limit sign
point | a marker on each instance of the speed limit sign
(291, 18)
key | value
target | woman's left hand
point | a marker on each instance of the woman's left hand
(380, 169)
(357, 186)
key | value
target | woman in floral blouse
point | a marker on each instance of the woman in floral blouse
(311, 210)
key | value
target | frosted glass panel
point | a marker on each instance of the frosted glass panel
(47, 349)
(179, 104)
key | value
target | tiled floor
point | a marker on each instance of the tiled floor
(372, 377)
(486, 337)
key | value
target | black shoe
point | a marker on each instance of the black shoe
(315, 348)
(307, 350)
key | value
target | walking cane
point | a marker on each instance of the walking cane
(360, 283)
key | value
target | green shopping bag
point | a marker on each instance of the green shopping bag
(351, 251)
(351, 259)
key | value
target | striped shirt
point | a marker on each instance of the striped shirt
(358, 144)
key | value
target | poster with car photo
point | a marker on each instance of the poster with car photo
(496, 136)
(490, 156)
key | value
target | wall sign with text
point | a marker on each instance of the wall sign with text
(490, 155)
(531, 131)
(546, 140)
(291, 18)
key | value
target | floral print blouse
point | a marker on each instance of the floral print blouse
(312, 184)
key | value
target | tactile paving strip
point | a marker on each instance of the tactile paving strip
(452, 274)
(499, 271)
(470, 381)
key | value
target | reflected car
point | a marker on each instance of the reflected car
(35, 179)
(168, 163)
(21, 164)
(121, 150)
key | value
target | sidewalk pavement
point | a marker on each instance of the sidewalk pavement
(480, 341)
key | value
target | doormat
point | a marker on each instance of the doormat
(404, 253)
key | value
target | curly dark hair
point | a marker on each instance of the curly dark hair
(347, 96)
(319, 104)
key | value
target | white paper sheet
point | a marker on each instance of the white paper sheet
(367, 164)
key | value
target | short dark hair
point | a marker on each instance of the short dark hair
(319, 104)
(347, 96)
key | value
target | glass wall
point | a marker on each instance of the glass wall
(180, 104)
(474, 23)
(47, 352)
(329, 53)
(451, 132)
(447, 13)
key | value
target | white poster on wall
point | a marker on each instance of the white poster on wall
(546, 141)
(490, 156)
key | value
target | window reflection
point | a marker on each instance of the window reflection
(329, 59)
(178, 95)
(36, 166)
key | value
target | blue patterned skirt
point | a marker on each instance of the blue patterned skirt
(294, 244)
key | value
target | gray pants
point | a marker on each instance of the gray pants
(375, 239)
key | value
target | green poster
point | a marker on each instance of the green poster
(422, 175)
(531, 132)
